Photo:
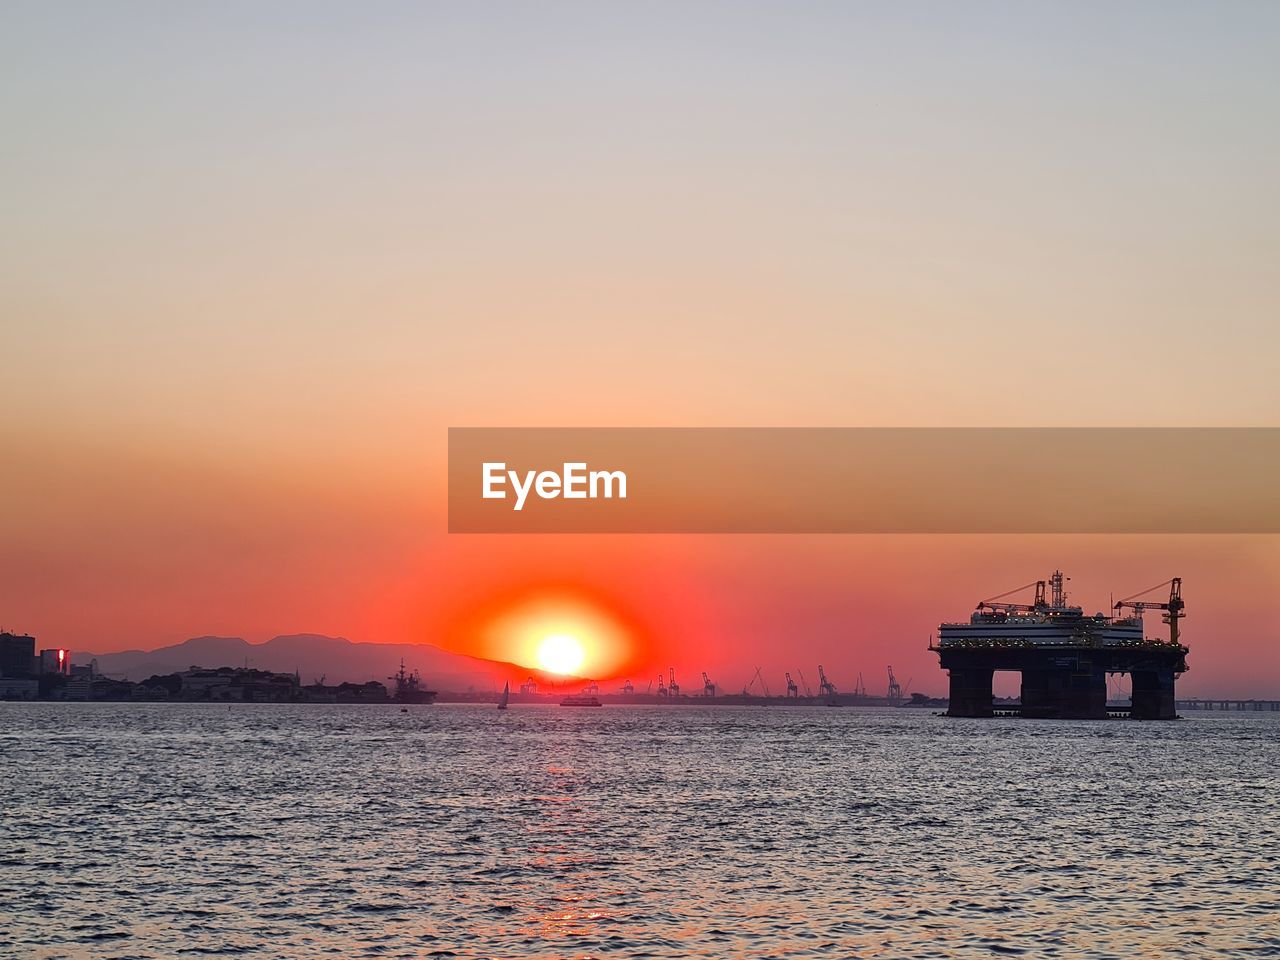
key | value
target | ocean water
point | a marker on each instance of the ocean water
(171, 830)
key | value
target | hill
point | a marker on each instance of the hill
(312, 656)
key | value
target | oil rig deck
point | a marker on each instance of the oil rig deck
(1064, 656)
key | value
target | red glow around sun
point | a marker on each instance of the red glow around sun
(559, 634)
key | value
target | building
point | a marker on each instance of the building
(235, 683)
(55, 660)
(17, 655)
(78, 688)
(19, 688)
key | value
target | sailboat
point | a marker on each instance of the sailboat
(506, 695)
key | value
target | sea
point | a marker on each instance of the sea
(288, 831)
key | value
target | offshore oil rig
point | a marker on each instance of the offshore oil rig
(1063, 655)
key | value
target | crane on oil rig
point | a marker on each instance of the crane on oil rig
(673, 689)
(708, 688)
(825, 687)
(793, 692)
(895, 689)
(997, 603)
(1173, 608)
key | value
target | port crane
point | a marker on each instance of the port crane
(673, 690)
(708, 688)
(662, 686)
(861, 689)
(628, 687)
(793, 692)
(591, 687)
(529, 686)
(1173, 608)
(825, 687)
(808, 692)
(895, 688)
(756, 677)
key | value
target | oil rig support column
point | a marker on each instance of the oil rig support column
(1153, 694)
(970, 692)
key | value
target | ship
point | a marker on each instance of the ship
(409, 688)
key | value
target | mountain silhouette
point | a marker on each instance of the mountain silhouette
(312, 656)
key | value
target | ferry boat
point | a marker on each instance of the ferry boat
(1045, 622)
(574, 700)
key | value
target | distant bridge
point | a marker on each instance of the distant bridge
(1218, 703)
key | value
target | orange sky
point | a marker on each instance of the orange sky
(150, 552)
(252, 273)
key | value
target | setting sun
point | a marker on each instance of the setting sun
(557, 633)
(560, 653)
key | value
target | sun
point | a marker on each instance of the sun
(560, 653)
(557, 634)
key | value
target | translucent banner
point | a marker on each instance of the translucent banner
(864, 480)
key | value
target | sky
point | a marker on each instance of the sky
(256, 259)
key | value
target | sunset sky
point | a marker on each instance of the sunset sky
(256, 259)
